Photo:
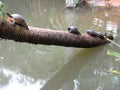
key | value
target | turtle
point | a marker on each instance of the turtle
(109, 36)
(74, 30)
(17, 19)
(100, 35)
(92, 33)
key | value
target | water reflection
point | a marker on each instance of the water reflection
(72, 69)
(92, 77)
(17, 81)
(98, 22)
(112, 27)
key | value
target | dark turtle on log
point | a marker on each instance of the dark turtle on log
(95, 34)
(100, 35)
(92, 33)
(109, 36)
(74, 30)
(17, 19)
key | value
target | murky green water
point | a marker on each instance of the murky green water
(33, 67)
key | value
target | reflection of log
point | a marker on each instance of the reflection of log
(47, 36)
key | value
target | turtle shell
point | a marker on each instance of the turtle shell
(110, 36)
(91, 33)
(18, 20)
(73, 29)
(100, 35)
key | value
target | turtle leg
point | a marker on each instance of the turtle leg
(9, 15)
(13, 22)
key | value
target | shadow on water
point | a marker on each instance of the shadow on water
(72, 68)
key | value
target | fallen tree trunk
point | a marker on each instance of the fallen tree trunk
(47, 36)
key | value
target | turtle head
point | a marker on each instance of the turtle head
(9, 15)
(72, 28)
(68, 28)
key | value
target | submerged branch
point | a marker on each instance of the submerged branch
(48, 37)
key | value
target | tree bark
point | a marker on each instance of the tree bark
(47, 36)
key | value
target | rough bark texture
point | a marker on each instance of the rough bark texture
(47, 36)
